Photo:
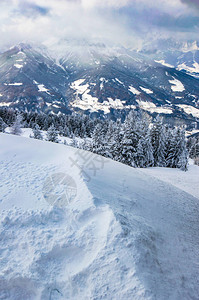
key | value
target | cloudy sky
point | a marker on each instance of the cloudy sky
(119, 21)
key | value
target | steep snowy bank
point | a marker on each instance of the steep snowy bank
(116, 234)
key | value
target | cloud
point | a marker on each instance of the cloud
(192, 3)
(31, 10)
(117, 21)
(44, 20)
(105, 3)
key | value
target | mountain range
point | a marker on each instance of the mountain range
(102, 80)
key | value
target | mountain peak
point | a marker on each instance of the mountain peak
(190, 46)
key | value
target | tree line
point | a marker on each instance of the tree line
(137, 141)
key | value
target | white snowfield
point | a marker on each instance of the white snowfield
(193, 69)
(190, 110)
(88, 102)
(176, 85)
(162, 62)
(123, 235)
(151, 107)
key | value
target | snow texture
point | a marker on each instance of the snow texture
(126, 235)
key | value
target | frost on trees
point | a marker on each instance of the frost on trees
(37, 133)
(158, 142)
(130, 139)
(3, 125)
(52, 134)
(16, 127)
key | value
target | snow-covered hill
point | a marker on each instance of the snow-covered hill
(114, 232)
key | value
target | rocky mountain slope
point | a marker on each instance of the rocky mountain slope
(99, 79)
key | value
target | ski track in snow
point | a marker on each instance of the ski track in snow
(126, 235)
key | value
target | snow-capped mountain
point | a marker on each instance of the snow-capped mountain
(183, 56)
(31, 80)
(100, 79)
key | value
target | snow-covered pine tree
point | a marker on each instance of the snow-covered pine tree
(130, 139)
(46, 125)
(182, 159)
(157, 134)
(144, 151)
(176, 152)
(144, 154)
(66, 131)
(74, 142)
(98, 143)
(3, 125)
(197, 149)
(115, 140)
(16, 127)
(109, 139)
(170, 147)
(61, 130)
(193, 147)
(37, 133)
(82, 131)
(52, 134)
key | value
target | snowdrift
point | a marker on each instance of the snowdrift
(78, 226)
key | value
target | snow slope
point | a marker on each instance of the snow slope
(186, 181)
(120, 233)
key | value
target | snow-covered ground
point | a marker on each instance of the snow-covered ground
(149, 106)
(114, 232)
(27, 133)
(88, 102)
(190, 110)
(186, 181)
(176, 85)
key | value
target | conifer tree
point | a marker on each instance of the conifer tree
(116, 140)
(182, 159)
(74, 142)
(130, 139)
(37, 133)
(3, 125)
(144, 154)
(158, 142)
(16, 127)
(52, 134)
(97, 143)
(170, 148)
